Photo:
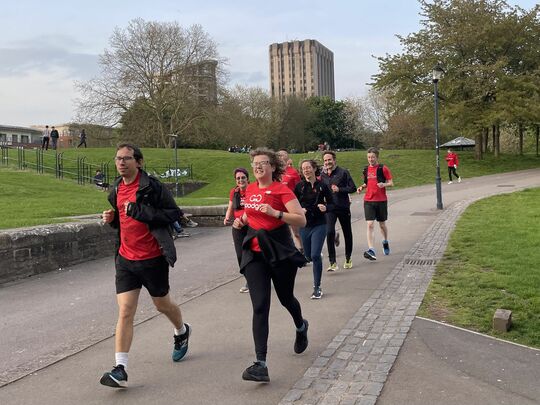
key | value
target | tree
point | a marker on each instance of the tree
(488, 49)
(157, 68)
(329, 122)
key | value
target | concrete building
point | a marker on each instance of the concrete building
(301, 68)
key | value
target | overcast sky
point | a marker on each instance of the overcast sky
(47, 45)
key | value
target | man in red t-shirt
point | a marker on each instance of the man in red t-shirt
(376, 178)
(143, 211)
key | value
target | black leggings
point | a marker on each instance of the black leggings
(258, 274)
(452, 170)
(345, 222)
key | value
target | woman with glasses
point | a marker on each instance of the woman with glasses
(314, 197)
(236, 210)
(269, 255)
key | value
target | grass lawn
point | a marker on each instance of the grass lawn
(492, 261)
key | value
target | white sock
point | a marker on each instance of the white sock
(180, 331)
(121, 358)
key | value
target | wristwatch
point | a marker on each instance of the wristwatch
(280, 215)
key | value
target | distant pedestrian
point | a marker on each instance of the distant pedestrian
(377, 177)
(143, 210)
(54, 138)
(45, 138)
(82, 138)
(341, 184)
(237, 198)
(99, 180)
(453, 162)
(269, 255)
(315, 197)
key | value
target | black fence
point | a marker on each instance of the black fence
(80, 169)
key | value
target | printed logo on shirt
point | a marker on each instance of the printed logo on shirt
(254, 199)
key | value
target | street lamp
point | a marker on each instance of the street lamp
(175, 163)
(436, 75)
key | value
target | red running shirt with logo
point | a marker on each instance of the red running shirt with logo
(277, 195)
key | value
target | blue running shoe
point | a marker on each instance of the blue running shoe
(370, 254)
(116, 378)
(386, 247)
(181, 344)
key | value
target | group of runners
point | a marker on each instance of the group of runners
(267, 216)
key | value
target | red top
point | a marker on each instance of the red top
(290, 178)
(373, 192)
(452, 159)
(136, 241)
(277, 195)
(239, 212)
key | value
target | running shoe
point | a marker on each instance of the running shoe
(317, 293)
(188, 223)
(459, 179)
(336, 240)
(301, 341)
(332, 267)
(450, 182)
(256, 372)
(181, 344)
(370, 254)
(347, 264)
(244, 289)
(116, 378)
(386, 247)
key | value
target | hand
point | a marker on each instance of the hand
(359, 189)
(227, 221)
(238, 223)
(268, 210)
(335, 188)
(108, 216)
(455, 166)
(381, 185)
(322, 207)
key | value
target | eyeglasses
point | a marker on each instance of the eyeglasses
(241, 178)
(260, 164)
(124, 158)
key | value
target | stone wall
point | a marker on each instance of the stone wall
(25, 252)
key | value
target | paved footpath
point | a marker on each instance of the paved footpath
(357, 332)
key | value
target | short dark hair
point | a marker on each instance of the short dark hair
(137, 154)
(373, 150)
(241, 170)
(329, 152)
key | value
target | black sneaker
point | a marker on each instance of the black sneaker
(256, 372)
(317, 293)
(386, 247)
(116, 378)
(181, 344)
(301, 341)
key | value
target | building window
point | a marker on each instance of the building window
(25, 139)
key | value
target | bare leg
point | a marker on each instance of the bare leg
(127, 307)
(384, 230)
(370, 232)
(167, 307)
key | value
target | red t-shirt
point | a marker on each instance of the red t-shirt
(452, 159)
(136, 241)
(277, 195)
(239, 212)
(373, 192)
(290, 178)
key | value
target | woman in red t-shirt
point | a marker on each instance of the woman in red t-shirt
(269, 255)
(236, 210)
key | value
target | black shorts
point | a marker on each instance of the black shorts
(376, 210)
(153, 274)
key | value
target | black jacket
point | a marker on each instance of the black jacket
(276, 245)
(341, 178)
(309, 197)
(155, 206)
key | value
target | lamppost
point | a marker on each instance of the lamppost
(175, 163)
(436, 75)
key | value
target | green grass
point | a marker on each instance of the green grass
(492, 262)
(409, 168)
